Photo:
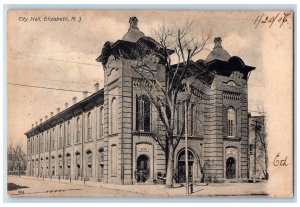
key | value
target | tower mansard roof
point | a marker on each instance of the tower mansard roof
(218, 53)
(133, 34)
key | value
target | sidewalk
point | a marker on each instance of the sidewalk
(199, 190)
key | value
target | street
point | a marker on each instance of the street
(33, 187)
(28, 187)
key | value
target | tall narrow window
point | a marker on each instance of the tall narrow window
(89, 160)
(101, 121)
(31, 146)
(89, 126)
(182, 108)
(28, 146)
(42, 142)
(60, 136)
(178, 118)
(114, 160)
(193, 119)
(68, 133)
(50, 140)
(114, 116)
(37, 144)
(231, 117)
(47, 141)
(143, 114)
(78, 130)
(53, 139)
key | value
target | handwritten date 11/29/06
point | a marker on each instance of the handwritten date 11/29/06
(280, 18)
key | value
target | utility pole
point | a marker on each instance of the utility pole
(187, 90)
(186, 152)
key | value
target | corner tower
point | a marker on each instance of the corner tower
(125, 144)
(226, 151)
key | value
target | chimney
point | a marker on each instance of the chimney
(41, 120)
(51, 113)
(58, 110)
(36, 123)
(66, 105)
(46, 117)
(85, 94)
(96, 86)
(74, 100)
(32, 126)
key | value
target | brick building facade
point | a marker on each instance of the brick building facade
(107, 136)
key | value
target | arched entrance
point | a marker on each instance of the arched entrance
(230, 168)
(143, 168)
(181, 166)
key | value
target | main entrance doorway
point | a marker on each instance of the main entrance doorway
(230, 168)
(143, 168)
(181, 166)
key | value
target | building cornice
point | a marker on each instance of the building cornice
(89, 102)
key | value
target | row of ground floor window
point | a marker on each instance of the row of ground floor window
(92, 168)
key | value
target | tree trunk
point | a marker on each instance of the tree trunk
(170, 168)
(266, 165)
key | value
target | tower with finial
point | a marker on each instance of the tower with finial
(121, 84)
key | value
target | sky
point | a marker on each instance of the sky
(62, 55)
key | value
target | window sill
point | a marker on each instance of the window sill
(232, 138)
(113, 134)
(78, 143)
(191, 137)
(142, 133)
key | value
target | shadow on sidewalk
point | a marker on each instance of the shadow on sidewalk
(12, 186)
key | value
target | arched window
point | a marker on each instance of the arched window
(143, 114)
(89, 126)
(231, 117)
(68, 133)
(78, 130)
(114, 115)
(101, 121)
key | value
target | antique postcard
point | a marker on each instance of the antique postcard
(148, 103)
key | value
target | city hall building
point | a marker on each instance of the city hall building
(107, 136)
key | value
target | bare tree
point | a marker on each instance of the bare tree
(10, 160)
(16, 158)
(259, 128)
(175, 47)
